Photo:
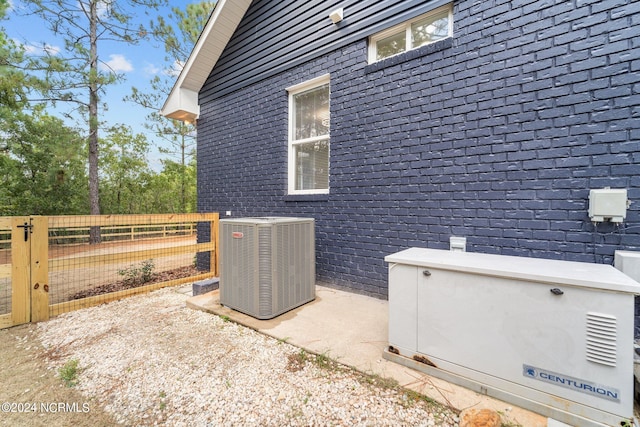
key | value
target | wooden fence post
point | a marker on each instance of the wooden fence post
(39, 269)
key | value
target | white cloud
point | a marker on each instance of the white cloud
(51, 50)
(116, 63)
(175, 69)
(103, 8)
(39, 48)
(29, 49)
(151, 70)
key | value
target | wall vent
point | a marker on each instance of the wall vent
(601, 338)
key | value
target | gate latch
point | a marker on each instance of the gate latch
(27, 229)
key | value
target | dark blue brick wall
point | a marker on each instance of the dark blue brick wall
(496, 134)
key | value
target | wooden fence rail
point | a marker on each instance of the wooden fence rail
(69, 235)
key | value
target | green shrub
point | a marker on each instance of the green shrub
(138, 274)
(69, 373)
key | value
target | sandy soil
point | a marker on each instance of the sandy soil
(32, 395)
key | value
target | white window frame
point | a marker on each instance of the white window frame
(294, 90)
(406, 27)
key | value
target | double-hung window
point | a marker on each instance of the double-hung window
(309, 137)
(425, 29)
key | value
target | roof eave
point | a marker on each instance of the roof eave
(182, 102)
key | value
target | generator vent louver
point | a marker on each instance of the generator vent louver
(267, 265)
(601, 338)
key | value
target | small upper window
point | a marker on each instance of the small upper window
(425, 29)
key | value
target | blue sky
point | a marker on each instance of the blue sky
(138, 63)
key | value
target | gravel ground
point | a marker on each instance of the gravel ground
(149, 360)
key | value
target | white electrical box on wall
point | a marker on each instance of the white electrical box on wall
(608, 204)
(458, 244)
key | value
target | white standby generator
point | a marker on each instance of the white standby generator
(555, 337)
(267, 265)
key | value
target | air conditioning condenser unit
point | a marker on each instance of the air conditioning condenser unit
(267, 264)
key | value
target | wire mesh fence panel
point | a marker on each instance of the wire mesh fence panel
(96, 259)
(5, 266)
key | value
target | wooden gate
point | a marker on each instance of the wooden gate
(24, 271)
(48, 265)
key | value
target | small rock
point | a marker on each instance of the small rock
(479, 418)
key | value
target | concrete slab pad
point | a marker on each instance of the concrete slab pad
(353, 329)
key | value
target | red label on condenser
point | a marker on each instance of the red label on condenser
(237, 235)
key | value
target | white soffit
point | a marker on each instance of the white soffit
(182, 103)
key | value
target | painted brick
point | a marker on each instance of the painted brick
(497, 135)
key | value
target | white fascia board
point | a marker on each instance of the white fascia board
(182, 102)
